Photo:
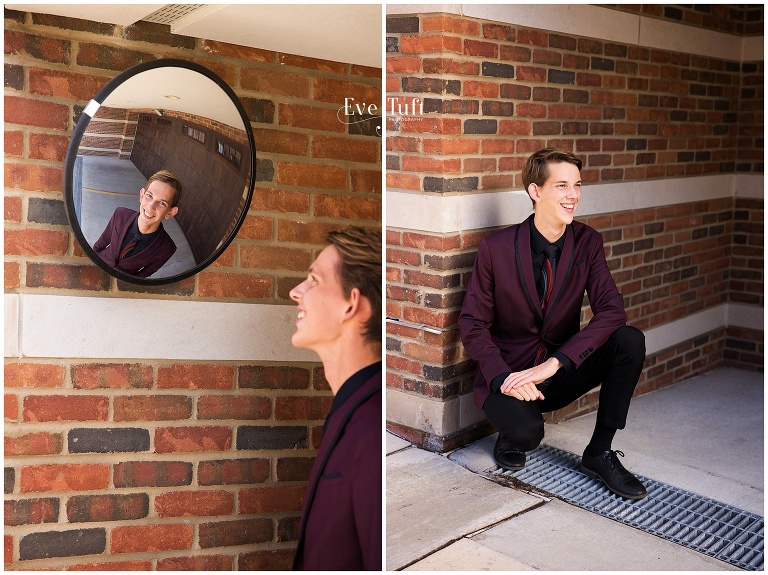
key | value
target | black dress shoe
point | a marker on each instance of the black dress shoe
(607, 467)
(507, 455)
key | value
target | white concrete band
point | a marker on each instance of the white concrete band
(69, 327)
(603, 24)
(725, 315)
(431, 415)
(451, 213)
(50, 326)
(754, 49)
(750, 186)
(665, 35)
(580, 20)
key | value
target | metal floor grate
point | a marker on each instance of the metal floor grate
(721, 531)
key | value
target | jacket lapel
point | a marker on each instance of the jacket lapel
(124, 231)
(525, 266)
(153, 247)
(564, 265)
(148, 251)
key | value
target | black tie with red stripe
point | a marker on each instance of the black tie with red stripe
(544, 289)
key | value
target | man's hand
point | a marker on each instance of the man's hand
(525, 392)
(522, 384)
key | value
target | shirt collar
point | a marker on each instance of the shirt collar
(539, 242)
(351, 385)
(134, 229)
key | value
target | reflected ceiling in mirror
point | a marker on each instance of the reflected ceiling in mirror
(162, 116)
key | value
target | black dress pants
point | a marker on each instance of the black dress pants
(616, 365)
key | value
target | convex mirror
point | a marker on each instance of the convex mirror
(181, 121)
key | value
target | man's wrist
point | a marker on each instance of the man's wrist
(564, 360)
(497, 381)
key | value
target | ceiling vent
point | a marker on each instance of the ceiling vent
(170, 13)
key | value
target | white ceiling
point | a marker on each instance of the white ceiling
(350, 33)
(173, 88)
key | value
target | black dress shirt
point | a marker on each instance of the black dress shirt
(142, 240)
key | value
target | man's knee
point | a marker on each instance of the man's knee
(526, 436)
(631, 341)
(518, 421)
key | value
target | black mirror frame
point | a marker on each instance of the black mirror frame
(74, 144)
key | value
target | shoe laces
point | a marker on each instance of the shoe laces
(615, 463)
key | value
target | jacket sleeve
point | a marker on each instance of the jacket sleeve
(477, 316)
(106, 236)
(607, 308)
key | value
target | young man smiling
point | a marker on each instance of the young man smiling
(339, 317)
(136, 242)
(520, 323)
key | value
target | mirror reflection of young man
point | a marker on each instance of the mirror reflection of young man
(136, 242)
(339, 317)
(520, 323)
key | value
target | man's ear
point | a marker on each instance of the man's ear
(353, 306)
(533, 192)
(172, 212)
(358, 307)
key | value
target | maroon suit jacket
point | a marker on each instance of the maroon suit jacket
(341, 518)
(501, 321)
(142, 264)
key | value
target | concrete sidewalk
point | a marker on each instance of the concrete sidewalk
(703, 435)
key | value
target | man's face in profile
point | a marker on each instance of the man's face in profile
(155, 205)
(322, 304)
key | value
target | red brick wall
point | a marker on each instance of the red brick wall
(494, 93)
(750, 152)
(163, 463)
(110, 133)
(160, 464)
(312, 174)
